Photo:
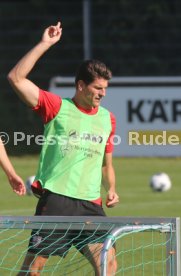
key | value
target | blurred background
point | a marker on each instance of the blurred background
(138, 40)
(135, 38)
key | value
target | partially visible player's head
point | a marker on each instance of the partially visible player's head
(91, 82)
(90, 70)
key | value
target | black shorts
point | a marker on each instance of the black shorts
(48, 242)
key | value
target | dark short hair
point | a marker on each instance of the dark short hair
(90, 70)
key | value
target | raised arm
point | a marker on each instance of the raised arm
(15, 180)
(109, 181)
(17, 77)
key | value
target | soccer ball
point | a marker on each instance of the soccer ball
(28, 183)
(160, 182)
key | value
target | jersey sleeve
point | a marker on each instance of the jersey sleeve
(48, 105)
(109, 144)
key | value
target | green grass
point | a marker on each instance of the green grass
(12, 204)
(132, 175)
(136, 199)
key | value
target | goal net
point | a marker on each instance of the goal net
(144, 246)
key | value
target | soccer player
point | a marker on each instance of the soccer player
(15, 180)
(77, 150)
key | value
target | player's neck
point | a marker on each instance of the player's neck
(81, 104)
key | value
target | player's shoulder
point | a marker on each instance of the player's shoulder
(111, 114)
(67, 100)
(113, 117)
(48, 95)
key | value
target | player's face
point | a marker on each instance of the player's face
(94, 92)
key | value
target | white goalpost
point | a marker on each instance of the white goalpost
(144, 246)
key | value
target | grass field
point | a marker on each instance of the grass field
(132, 174)
(136, 198)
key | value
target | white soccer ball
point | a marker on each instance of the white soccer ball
(160, 182)
(28, 183)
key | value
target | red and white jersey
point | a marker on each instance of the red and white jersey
(49, 105)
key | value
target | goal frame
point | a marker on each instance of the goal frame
(169, 225)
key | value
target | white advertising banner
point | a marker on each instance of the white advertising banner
(148, 114)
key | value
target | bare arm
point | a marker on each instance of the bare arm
(17, 77)
(15, 181)
(109, 180)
